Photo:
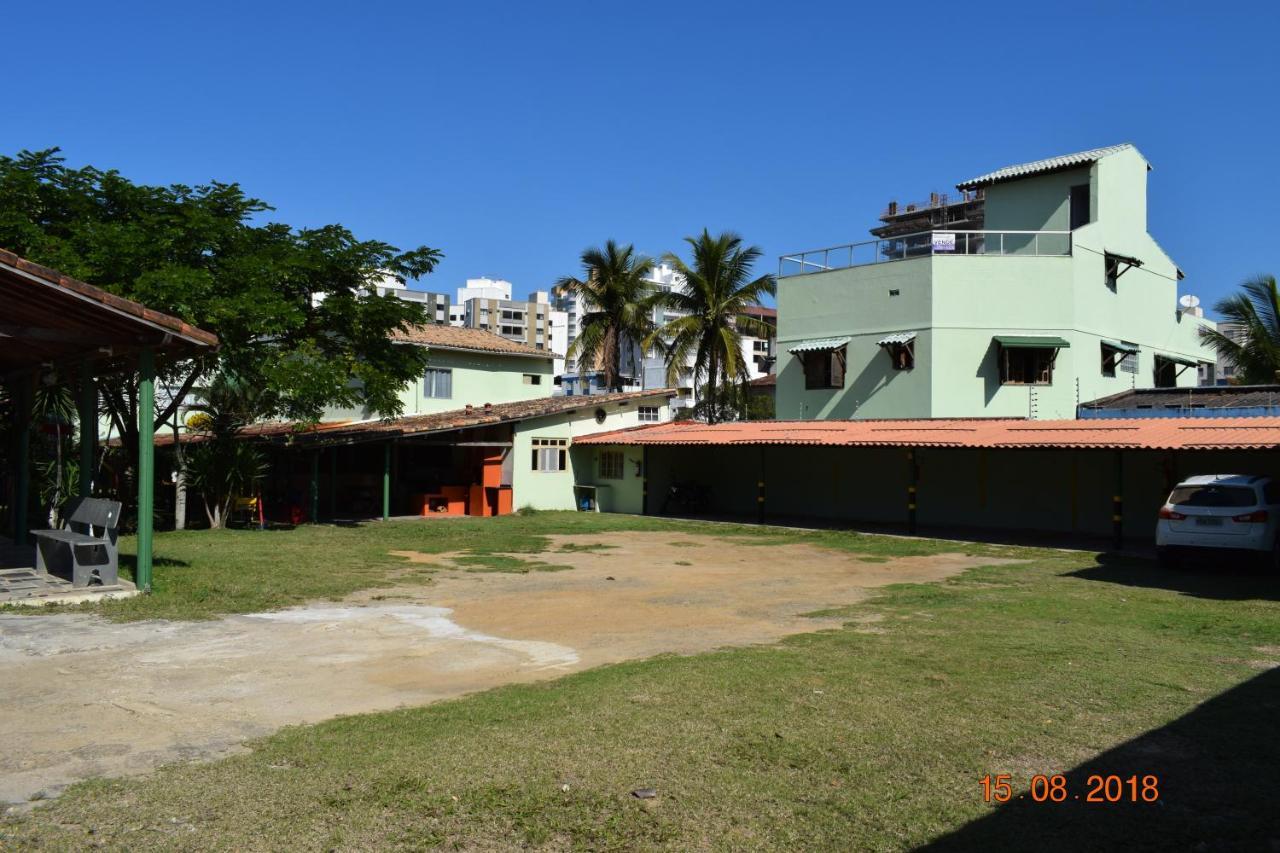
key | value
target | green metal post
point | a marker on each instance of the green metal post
(315, 486)
(644, 482)
(386, 481)
(913, 476)
(146, 465)
(760, 490)
(21, 457)
(88, 415)
(333, 482)
(1117, 504)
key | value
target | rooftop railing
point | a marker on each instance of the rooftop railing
(1022, 244)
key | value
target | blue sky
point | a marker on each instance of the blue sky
(512, 135)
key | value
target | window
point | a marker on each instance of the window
(438, 383)
(549, 454)
(1080, 213)
(648, 414)
(533, 379)
(902, 356)
(1027, 365)
(1214, 496)
(1166, 373)
(1114, 357)
(611, 464)
(823, 369)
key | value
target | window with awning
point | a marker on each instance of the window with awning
(823, 360)
(901, 347)
(1118, 354)
(1028, 359)
(1169, 367)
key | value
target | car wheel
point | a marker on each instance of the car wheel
(1166, 558)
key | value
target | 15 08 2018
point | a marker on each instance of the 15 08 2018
(1098, 788)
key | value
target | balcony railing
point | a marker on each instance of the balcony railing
(1021, 244)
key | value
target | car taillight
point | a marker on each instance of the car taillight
(1172, 515)
(1256, 515)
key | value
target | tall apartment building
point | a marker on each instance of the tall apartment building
(1058, 296)
(487, 304)
(437, 304)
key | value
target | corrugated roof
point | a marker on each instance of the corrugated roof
(1207, 397)
(818, 344)
(435, 336)
(896, 338)
(1032, 341)
(455, 419)
(1134, 433)
(1049, 164)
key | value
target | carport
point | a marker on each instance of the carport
(53, 326)
(1080, 478)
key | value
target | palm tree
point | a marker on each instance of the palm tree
(223, 467)
(618, 304)
(1256, 311)
(718, 291)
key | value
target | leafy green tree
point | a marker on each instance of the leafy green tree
(293, 308)
(1257, 311)
(618, 306)
(718, 291)
(218, 465)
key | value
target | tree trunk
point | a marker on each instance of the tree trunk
(179, 482)
(612, 360)
(712, 387)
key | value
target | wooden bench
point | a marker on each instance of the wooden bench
(86, 543)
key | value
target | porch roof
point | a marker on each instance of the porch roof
(51, 318)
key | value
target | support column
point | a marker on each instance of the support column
(760, 490)
(146, 465)
(88, 415)
(1117, 504)
(21, 391)
(333, 482)
(644, 482)
(913, 475)
(315, 486)
(386, 481)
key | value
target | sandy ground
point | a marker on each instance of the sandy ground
(83, 697)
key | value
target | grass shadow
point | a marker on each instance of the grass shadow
(1217, 769)
(1224, 581)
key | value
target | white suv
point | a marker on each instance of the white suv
(1234, 512)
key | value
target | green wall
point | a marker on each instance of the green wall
(478, 378)
(959, 303)
(554, 490)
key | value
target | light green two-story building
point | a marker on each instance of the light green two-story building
(467, 367)
(1037, 290)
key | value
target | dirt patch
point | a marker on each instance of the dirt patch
(85, 697)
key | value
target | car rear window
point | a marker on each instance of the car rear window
(1224, 496)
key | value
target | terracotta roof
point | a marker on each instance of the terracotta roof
(1131, 433)
(769, 380)
(434, 336)
(465, 418)
(55, 317)
(762, 311)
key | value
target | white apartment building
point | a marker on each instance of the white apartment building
(485, 303)
(437, 304)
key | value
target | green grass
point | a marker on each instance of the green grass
(873, 736)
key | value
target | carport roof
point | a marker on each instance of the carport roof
(1118, 434)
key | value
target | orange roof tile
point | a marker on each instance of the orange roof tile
(462, 338)
(1137, 433)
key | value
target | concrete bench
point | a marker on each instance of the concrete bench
(86, 544)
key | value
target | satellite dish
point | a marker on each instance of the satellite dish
(1189, 301)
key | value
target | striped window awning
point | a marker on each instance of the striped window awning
(1121, 346)
(898, 338)
(1032, 342)
(819, 345)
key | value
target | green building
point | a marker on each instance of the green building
(1037, 290)
(468, 367)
